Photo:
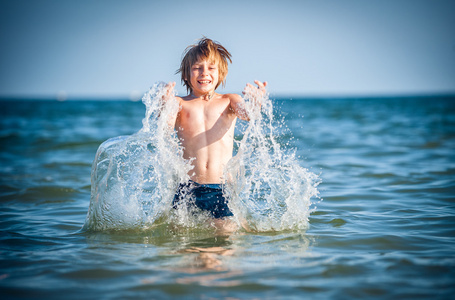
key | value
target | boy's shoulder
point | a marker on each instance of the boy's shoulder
(235, 99)
(232, 97)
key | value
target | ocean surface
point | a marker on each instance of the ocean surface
(383, 226)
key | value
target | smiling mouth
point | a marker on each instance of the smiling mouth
(204, 81)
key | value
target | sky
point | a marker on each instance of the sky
(117, 49)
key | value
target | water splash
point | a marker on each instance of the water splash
(134, 178)
(269, 190)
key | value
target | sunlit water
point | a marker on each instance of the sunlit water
(384, 229)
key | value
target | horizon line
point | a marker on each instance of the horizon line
(279, 96)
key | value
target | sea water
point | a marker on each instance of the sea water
(134, 178)
(384, 230)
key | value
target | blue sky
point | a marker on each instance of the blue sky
(89, 48)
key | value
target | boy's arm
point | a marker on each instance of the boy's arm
(238, 107)
(238, 103)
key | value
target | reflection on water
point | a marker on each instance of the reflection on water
(209, 258)
(202, 258)
(208, 254)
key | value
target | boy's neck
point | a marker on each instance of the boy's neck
(206, 97)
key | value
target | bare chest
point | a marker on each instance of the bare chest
(200, 116)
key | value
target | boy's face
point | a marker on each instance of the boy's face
(204, 77)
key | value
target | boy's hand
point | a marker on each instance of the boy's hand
(261, 86)
(169, 90)
(256, 95)
(254, 98)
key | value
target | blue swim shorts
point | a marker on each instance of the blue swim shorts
(207, 197)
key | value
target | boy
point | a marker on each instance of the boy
(205, 125)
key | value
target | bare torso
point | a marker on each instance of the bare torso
(206, 130)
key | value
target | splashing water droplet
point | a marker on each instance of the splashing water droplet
(134, 178)
(268, 188)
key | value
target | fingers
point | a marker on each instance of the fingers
(247, 88)
(170, 85)
(261, 85)
(169, 88)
